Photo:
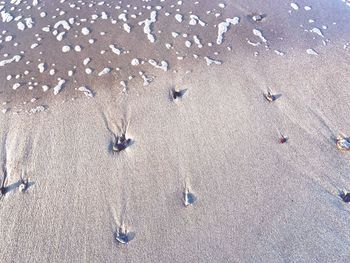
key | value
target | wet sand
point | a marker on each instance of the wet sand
(256, 200)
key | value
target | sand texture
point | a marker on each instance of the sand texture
(250, 196)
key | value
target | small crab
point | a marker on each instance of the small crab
(178, 93)
(189, 197)
(345, 196)
(283, 139)
(123, 236)
(23, 185)
(121, 143)
(270, 97)
(343, 143)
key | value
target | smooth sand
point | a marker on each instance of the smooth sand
(257, 200)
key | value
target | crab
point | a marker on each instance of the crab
(121, 143)
(345, 196)
(178, 93)
(23, 185)
(189, 198)
(123, 236)
(270, 97)
(283, 139)
(343, 143)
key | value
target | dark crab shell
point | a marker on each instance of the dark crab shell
(178, 93)
(345, 197)
(343, 144)
(269, 97)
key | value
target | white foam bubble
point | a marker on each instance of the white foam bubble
(8, 38)
(195, 19)
(60, 36)
(21, 26)
(280, 53)
(294, 6)
(45, 88)
(87, 92)
(135, 62)
(115, 49)
(37, 109)
(6, 17)
(179, 18)
(162, 65)
(122, 16)
(127, 28)
(146, 80)
(147, 26)
(29, 22)
(210, 61)
(15, 58)
(85, 31)
(41, 67)
(317, 31)
(197, 41)
(223, 27)
(65, 49)
(16, 86)
(259, 34)
(62, 23)
(59, 86)
(311, 51)
(104, 72)
(77, 48)
(46, 29)
(86, 61)
(222, 5)
(34, 45)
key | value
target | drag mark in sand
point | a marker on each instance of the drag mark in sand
(3, 189)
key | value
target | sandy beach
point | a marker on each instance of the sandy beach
(250, 198)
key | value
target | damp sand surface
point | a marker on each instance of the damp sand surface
(254, 199)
